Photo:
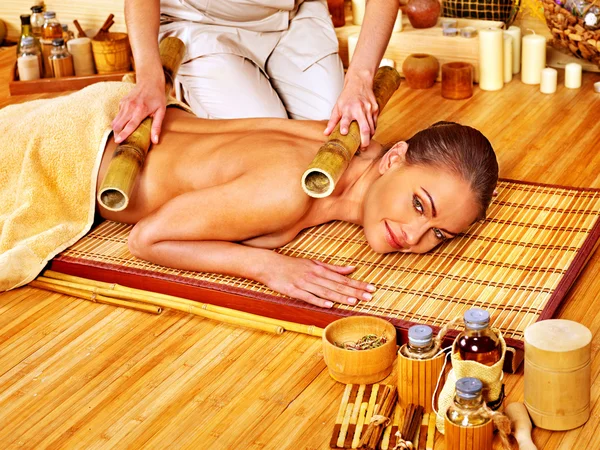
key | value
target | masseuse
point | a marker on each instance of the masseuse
(276, 58)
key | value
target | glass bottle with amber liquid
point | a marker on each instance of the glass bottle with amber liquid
(52, 29)
(467, 409)
(420, 343)
(478, 342)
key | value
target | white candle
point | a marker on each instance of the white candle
(398, 23)
(548, 81)
(533, 58)
(490, 59)
(352, 40)
(573, 76)
(358, 11)
(515, 32)
(508, 58)
(83, 59)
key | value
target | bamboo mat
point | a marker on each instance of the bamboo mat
(518, 264)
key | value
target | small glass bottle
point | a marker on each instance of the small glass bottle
(338, 12)
(25, 30)
(467, 409)
(52, 28)
(420, 343)
(37, 20)
(29, 62)
(478, 342)
(67, 34)
(61, 61)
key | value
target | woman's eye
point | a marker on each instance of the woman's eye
(438, 234)
(418, 205)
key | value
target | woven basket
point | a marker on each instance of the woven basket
(498, 10)
(568, 32)
(112, 53)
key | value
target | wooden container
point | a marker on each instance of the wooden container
(417, 379)
(112, 53)
(557, 374)
(476, 438)
(359, 366)
(457, 80)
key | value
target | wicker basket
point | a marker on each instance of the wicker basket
(112, 53)
(569, 33)
(497, 10)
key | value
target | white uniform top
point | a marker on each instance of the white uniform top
(249, 28)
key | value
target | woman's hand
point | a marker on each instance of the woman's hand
(147, 99)
(356, 102)
(316, 282)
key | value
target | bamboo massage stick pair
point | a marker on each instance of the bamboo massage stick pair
(318, 181)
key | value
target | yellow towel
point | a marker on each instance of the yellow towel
(50, 153)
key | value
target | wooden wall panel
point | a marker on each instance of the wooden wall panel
(91, 14)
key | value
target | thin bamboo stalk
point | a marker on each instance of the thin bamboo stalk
(173, 304)
(334, 156)
(91, 296)
(311, 330)
(130, 155)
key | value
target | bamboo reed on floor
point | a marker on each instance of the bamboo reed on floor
(380, 419)
(289, 326)
(173, 304)
(412, 422)
(91, 296)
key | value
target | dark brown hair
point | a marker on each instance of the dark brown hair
(463, 151)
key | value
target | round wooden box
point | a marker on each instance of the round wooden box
(557, 374)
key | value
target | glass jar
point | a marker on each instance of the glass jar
(478, 342)
(25, 30)
(420, 343)
(52, 28)
(37, 20)
(467, 409)
(61, 61)
(29, 62)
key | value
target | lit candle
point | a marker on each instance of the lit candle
(533, 58)
(398, 23)
(573, 76)
(491, 77)
(508, 58)
(358, 11)
(548, 81)
(515, 32)
(352, 40)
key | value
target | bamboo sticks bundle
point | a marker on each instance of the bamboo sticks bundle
(381, 417)
(117, 295)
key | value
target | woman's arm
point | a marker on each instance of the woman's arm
(357, 101)
(198, 231)
(148, 96)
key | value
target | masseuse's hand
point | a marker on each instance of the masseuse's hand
(316, 282)
(147, 98)
(356, 102)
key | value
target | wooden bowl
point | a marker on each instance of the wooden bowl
(359, 366)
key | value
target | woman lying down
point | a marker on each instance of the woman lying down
(218, 195)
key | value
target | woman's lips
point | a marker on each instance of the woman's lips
(392, 240)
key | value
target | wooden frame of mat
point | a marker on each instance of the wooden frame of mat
(286, 309)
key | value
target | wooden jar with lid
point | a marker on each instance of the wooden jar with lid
(557, 374)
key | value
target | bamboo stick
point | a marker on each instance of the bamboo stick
(334, 156)
(311, 330)
(130, 155)
(173, 304)
(91, 296)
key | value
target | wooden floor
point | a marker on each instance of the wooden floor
(79, 375)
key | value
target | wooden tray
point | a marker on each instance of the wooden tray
(44, 85)
(426, 40)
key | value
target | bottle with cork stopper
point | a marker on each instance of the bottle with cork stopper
(478, 342)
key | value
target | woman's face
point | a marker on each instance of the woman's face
(413, 208)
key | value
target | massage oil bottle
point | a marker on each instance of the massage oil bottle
(478, 342)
